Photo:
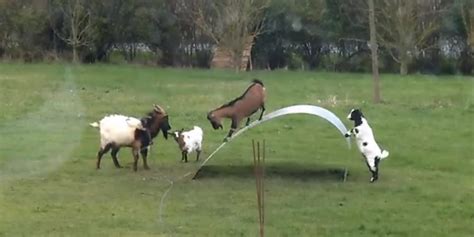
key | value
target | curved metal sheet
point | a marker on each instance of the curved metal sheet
(295, 109)
(300, 109)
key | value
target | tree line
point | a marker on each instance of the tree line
(427, 36)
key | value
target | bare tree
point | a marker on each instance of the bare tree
(466, 13)
(76, 28)
(231, 24)
(404, 27)
(373, 49)
(467, 16)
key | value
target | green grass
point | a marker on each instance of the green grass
(49, 186)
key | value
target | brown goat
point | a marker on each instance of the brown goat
(239, 108)
(120, 131)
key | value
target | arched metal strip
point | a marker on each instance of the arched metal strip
(295, 109)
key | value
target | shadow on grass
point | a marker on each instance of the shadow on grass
(285, 171)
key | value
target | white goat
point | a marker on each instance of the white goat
(189, 141)
(118, 131)
(366, 142)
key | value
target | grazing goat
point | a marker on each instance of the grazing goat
(189, 141)
(118, 131)
(366, 142)
(244, 106)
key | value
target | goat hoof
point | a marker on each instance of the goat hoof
(146, 167)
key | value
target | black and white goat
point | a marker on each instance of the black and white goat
(118, 131)
(366, 142)
(243, 106)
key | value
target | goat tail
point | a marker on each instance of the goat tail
(94, 124)
(384, 154)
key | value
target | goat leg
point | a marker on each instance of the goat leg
(99, 156)
(100, 153)
(374, 177)
(198, 153)
(233, 127)
(135, 159)
(261, 114)
(375, 173)
(114, 157)
(248, 121)
(144, 154)
(348, 133)
(229, 135)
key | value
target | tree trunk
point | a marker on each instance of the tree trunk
(223, 58)
(74, 29)
(404, 60)
(75, 58)
(403, 66)
(246, 54)
(373, 49)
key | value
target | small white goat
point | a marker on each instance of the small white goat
(366, 142)
(189, 141)
(118, 131)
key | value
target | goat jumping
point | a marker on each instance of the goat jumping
(243, 106)
(366, 142)
(118, 131)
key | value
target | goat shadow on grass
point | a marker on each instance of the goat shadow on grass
(298, 172)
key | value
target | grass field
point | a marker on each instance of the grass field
(49, 185)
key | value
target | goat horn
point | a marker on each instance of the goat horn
(159, 109)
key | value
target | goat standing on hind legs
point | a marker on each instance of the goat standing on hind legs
(366, 143)
(118, 131)
(247, 104)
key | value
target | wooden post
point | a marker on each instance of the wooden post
(373, 49)
(259, 170)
